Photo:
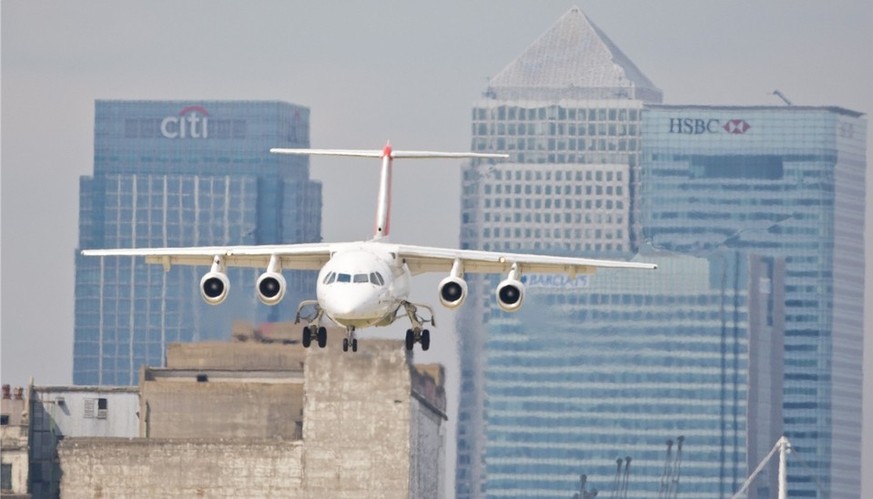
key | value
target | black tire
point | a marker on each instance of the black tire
(425, 340)
(355, 345)
(307, 337)
(345, 344)
(410, 339)
(321, 336)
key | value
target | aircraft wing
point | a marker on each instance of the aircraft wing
(422, 259)
(307, 256)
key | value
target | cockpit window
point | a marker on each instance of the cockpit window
(372, 277)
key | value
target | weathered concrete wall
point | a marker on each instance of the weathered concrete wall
(183, 468)
(74, 411)
(367, 432)
(237, 356)
(13, 452)
(221, 409)
(357, 415)
(428, 459)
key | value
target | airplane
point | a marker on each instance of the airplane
(367, 283)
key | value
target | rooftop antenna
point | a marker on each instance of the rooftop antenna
(779, 94)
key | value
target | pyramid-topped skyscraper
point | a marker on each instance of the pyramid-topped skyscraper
(574, 59)
(568, 113)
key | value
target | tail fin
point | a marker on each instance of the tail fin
(387, 154)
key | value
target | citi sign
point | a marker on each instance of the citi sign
(192, 122)
(698, 126)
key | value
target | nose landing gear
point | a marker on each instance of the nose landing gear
(350, 340)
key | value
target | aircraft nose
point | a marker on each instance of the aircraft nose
(353, 305)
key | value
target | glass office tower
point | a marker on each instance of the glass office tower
(567, 111)
(615, 365)
(184, 173)
(789, 182)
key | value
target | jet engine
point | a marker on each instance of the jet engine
(271, 287)
(453, 291)
(510, 291)
(214, 287)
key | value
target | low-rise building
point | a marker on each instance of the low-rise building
(251, 419)
(59, 412)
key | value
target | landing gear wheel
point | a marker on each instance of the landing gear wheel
(354, 344)
(410, 339)
(321, 336)
(345, 344)
(425, 340)
(307, 337)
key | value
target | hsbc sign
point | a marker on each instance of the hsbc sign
(191, 123)
(698, 126)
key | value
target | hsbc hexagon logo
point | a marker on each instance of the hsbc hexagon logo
(192, 122)
(736, 127)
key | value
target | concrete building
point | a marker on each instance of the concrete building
(14, 444)
(273, 420)
(183, 173)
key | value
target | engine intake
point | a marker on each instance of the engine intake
(271, 288)
(453, 291)
(510, 294)
(214, 287)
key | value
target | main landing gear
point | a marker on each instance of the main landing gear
(314, 332)
(417, 335)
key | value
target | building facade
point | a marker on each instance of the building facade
(622, 364)
(59, 412)
(789, 182)
(183, 173)
(568, 113)
(14, 444)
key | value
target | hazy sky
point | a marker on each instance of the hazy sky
(369, 71)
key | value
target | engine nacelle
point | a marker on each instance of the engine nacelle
(510, 294)
(453, 291)
(271, 287)
(214, 287)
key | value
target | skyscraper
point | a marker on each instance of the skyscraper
(785, 181)
(568, 111)
(181, 173)
(777, 191)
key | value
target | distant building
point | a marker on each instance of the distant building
(183, 173)
(786, 181)
(272, 420)
(568, 113)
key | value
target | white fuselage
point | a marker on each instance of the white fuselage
(362, 285)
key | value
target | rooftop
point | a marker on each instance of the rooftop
(573, 59)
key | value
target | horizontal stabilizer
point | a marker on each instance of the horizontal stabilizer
(375, 153)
